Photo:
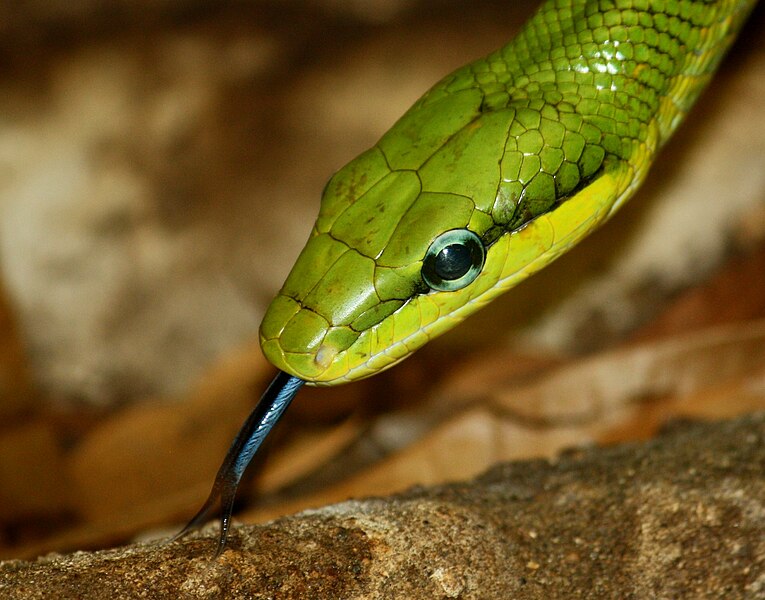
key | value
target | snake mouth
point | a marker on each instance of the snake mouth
(300, 341)
(308, 366)
(303, 344)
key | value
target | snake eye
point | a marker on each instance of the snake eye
(454, 260)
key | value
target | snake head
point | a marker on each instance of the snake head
(350, 305)
(455, 204)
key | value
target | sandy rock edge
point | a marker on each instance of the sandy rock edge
(679, 516)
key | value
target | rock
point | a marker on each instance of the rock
(680, 516)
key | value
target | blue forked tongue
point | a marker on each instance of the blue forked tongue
(258, 425)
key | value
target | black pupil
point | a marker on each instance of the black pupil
(453, 262)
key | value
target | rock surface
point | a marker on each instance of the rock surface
(679, 516)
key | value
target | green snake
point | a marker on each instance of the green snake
(497, 170)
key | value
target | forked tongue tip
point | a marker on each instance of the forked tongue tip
(258, 425)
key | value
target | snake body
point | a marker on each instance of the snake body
(529, 149)
(501, 167)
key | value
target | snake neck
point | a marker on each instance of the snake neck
(622, 63)
(595, 84)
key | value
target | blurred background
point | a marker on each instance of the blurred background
(161, 164)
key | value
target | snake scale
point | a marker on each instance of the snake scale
(498, 169)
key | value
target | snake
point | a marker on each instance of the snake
(501, 167)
